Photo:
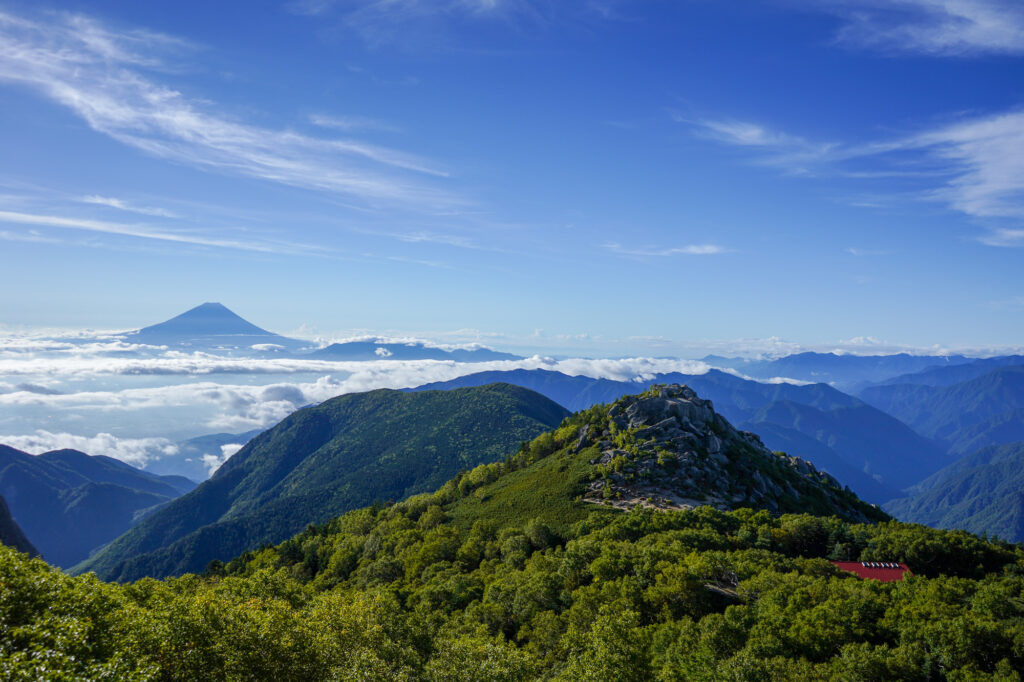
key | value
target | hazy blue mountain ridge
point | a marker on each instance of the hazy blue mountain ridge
(845, 371)
(981, 493)
(379, 350)
(952, 374)
(966, 415)
(69, 503)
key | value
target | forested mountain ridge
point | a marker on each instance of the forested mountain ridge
(320, 461)
(69, 503)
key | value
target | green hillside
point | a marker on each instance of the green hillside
(982, 493)
(345, 453)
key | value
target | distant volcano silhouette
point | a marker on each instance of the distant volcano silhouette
(210, 324)
(208, 319)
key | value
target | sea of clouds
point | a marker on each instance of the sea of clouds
(135, 402)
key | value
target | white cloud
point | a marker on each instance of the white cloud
(99, 74)
(1003, 237)
(932, 27)
(134, 451)
(214, 462)
(265, 347)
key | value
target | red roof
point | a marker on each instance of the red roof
(886, 571)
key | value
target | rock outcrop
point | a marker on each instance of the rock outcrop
(667, 448)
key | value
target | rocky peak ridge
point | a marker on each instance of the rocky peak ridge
(667, 448)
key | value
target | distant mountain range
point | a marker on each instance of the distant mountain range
(873, 453)
(378, 350)
(69, 503)
(342, 454)
(954, 374)
(987, 409)
(843, 371)
(213, 327)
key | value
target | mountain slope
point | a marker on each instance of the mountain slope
(981, 493)
(10, 533)
(873, 453)
(966, 415)
(68, 503)
(320, 461)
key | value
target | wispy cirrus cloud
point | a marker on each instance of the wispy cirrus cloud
(141, 231)
(784, 150)
(122, 205)
(30, 236)
(931, 27)
(351, 123)
(663, 252)
(108, 78)
(975, 166)
(367, 11)
(856, 251)
(985, 157)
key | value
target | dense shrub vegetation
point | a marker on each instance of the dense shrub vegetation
(401, 592)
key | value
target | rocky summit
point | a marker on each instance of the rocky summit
(667, 448)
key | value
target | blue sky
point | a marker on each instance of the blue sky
(598, 177)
